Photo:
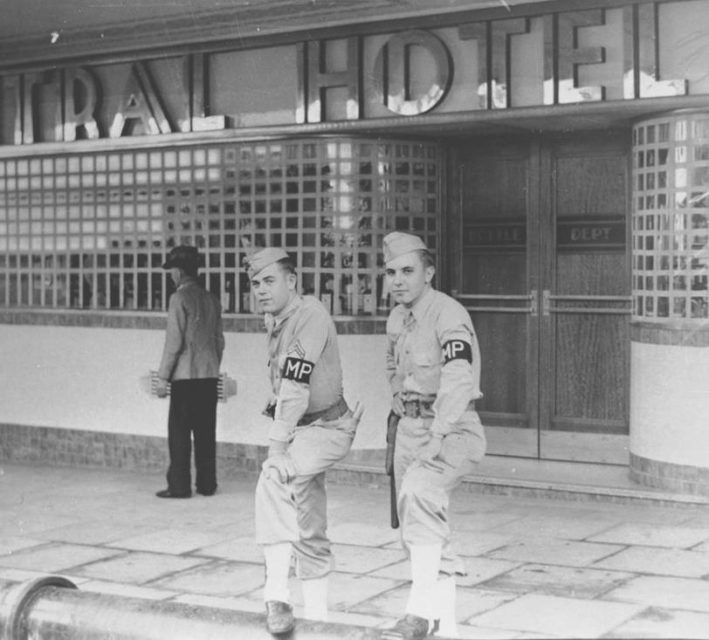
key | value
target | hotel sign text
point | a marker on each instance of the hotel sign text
(62, 104)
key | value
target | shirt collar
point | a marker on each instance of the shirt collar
(423, 304)
(273, 323)
(188, 280)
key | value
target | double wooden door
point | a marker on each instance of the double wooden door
(541, 260)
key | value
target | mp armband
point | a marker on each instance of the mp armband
(457, 350)
(297, 370)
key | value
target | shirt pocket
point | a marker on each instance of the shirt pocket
(427, 368)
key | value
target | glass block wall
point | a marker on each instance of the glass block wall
(671, 217)
(91, 230)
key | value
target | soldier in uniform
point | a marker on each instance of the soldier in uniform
(312, 429)
(433, 366)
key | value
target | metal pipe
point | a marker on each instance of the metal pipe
(52, 608)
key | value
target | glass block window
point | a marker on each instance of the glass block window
(91, 230)
(671, 217)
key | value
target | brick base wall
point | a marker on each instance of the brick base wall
(74, 447)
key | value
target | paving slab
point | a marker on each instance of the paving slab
(240, 548)
(95, 532)
(368, 535)
(137, 567)
(669, 593)
(480, 542)
(566, 527)
(25, 522)
(175, 541)
(479, 570)
(217, 578)
(351, 558)
(11, 544)
(666, 562)
(560, 617)
(54, 557)
(653, 535)
(554, 551)
(124, 590)
(558, 581)
(348, 590)
(664, 623)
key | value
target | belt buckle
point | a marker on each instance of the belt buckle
(412, 409)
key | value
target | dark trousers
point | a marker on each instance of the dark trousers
(193, 413)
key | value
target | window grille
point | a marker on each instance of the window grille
(91, 230)
(671, 217)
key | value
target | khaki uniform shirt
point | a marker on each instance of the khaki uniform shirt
(433, 353)
(194, 341)
(304, 361)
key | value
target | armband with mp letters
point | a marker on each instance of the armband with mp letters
(297, 370)
(457, 350)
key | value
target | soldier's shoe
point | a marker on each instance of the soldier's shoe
(279, 617)
(410, 627)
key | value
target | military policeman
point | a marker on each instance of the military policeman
(312, 429)
(433, 366)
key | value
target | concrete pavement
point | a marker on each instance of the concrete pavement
(538, 567)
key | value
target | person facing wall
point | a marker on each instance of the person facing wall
(194, 344)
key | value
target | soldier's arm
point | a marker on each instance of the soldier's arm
(393, 329)
(457, 383)
(302, 356)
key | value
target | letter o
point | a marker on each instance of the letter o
(397, 49)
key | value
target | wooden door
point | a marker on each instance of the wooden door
(543, 269)
(585, 305)
(497, 280)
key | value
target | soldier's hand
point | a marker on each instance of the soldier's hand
(161, 388)
(278, 467)
(431, 450)
(397, 404)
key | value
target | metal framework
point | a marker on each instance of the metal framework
(91, 230)
(671, 217)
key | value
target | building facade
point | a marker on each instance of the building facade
(555, 155)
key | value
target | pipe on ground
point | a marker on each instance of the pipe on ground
(52, 608)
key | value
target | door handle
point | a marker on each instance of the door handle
(548, 299)
(467, 298)
(534, 303)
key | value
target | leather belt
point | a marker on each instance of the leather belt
(419, 408)
(415, 408)
(333, 412)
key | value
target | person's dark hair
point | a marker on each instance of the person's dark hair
(286, 265)
(427, 258)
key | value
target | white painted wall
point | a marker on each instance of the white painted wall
(87, 378)
(669, 403)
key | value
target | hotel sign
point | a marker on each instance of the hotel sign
(461, 68)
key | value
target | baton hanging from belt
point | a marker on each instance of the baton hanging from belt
(392, 424)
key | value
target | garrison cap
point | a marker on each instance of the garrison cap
(397, 244)
(262, 258)
(183, 256)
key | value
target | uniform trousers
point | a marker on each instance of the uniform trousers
(193, 414)
(423, 489)
(296, 511)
